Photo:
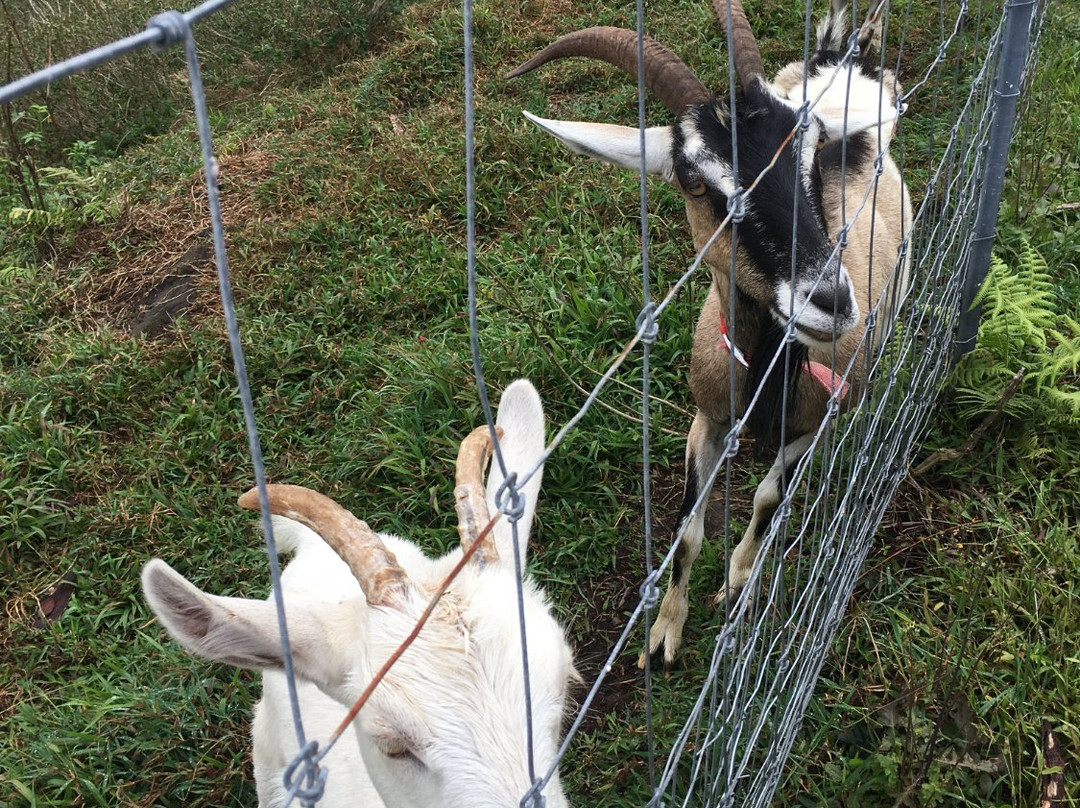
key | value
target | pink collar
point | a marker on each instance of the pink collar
(834, 384)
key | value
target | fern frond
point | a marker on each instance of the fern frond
(1022, 328)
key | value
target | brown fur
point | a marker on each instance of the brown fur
(882, 212)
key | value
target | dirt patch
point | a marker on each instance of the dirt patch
(913, 520)
(155, 262)
(153, 313)
(918, 520)
(615, 594)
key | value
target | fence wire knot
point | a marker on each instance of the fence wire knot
(309, 773)
(783, 512)
(510, 501)
(646, 324)
(173, 28)
(649, 591)
(736, 205)
(783, 662)
(727, 645)
(731, 444)
(853, 43)
(803, 115)
(534, 797)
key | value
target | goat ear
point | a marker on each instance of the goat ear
(244, 632)
(618, 145)
(851, 104)
(521, 416)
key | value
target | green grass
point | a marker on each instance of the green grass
(344, 201)
(257, 47)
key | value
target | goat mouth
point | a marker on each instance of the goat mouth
(811, 337)
(814, 336)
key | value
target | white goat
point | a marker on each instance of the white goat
(785, 271)
(447, 726)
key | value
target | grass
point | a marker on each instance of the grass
(258, 47)
(343, 197)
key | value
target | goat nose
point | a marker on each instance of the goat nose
(833, 299)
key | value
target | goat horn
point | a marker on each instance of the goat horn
(665, 73)
(744, 49)
(383, 580)
(470, 500)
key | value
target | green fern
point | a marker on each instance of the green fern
(1021, 328)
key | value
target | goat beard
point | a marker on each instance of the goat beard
(777, 401)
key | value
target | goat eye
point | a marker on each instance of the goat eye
(396, 749)
(696, 188)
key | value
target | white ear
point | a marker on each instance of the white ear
(244, 632)
(618, 145)
(845, 110)
(521, 415)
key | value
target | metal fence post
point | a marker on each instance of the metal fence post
(1014, 51)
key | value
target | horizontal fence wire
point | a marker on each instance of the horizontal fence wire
(768, 653)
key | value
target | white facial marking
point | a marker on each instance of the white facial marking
(715, 172)
(809, 150)
(840, 316)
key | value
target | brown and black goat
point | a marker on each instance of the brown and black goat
(819, 252)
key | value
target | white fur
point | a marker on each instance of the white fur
(447, 725)
(800, 307)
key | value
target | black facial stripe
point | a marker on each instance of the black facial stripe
(763, 123)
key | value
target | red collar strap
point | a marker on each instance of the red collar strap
(834, 384)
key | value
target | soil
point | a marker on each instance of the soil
(613, 596)
(152, 313)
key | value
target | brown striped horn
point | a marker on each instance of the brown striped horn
(744, 50)
(665, 73)
(470, 500)
(383, 580)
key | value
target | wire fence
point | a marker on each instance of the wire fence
(767, 655)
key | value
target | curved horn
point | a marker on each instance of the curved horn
(744, 50)
(665, 73)
(470, 500)
(383, 580)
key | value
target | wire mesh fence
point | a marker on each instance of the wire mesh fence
(767, 654)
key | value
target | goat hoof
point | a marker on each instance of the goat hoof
(659, 659)
(726, 597)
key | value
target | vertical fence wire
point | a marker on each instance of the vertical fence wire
(768, 653)
(508, 499)
(649, 329)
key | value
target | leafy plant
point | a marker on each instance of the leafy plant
(1023, 329)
